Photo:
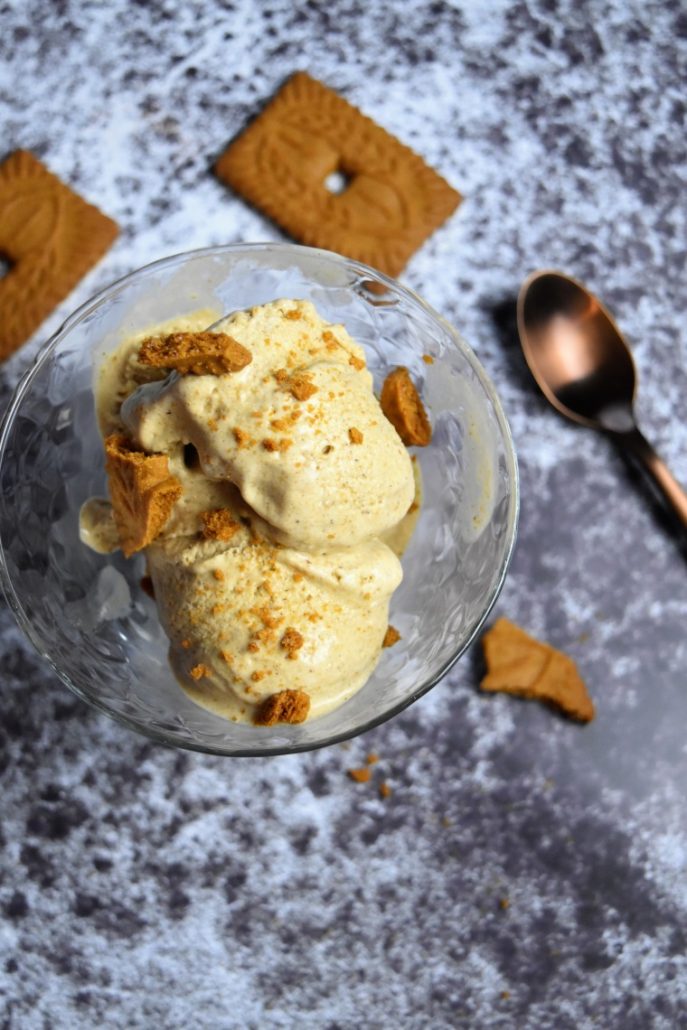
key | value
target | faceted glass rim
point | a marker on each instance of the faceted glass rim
(365, 272)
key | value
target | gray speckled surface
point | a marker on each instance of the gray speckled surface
(145, 888)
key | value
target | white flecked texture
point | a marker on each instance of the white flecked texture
(144, 888)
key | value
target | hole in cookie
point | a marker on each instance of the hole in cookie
(337, 182)
(191, 459)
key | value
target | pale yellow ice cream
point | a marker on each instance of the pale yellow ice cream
(323, 490)
(226, 609)
(295, 449)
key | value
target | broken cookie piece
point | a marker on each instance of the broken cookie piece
(401, 404)
(290, 706)
(142, 490)
(519, 664)
(196, 354)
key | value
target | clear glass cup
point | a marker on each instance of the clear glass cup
(85, 612)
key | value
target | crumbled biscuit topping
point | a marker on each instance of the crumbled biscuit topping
(291, 706)
(282, 444)
(199, 671)
(198, 354)
(299, 384)
(218, 524)
(292, 641)
(243, 439)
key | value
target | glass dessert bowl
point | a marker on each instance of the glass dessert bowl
(86, 613)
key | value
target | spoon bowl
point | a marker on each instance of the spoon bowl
(584, 367)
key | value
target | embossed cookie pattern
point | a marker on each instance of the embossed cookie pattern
(393, 200)
(50, 237)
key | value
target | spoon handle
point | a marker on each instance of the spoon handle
(674, 494)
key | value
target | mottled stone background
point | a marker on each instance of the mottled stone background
(525, 872)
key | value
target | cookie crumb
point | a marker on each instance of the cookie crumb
(243, 439)
(292, 641)
(391, 637)
(360, 775)
(270, 444)
(372, 758)
(291, 706)
(354, 435)
(218, 524)
(302, 387)
(299, 385)
(199, 671)
(504, 903)
(428, 359)
(384, 790)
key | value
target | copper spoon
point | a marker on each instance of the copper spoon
(583, 365)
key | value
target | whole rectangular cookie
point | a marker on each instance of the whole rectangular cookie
(50, 237)
(392, 201)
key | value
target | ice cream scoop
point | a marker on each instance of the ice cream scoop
(274, 565)
(299, 430)
(584, 367)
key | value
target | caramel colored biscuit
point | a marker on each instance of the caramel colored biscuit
(401, 404)
(392, 200)
(196, 354)
(286, 706)
(51, 239)
(519, 664)
(142, 491)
